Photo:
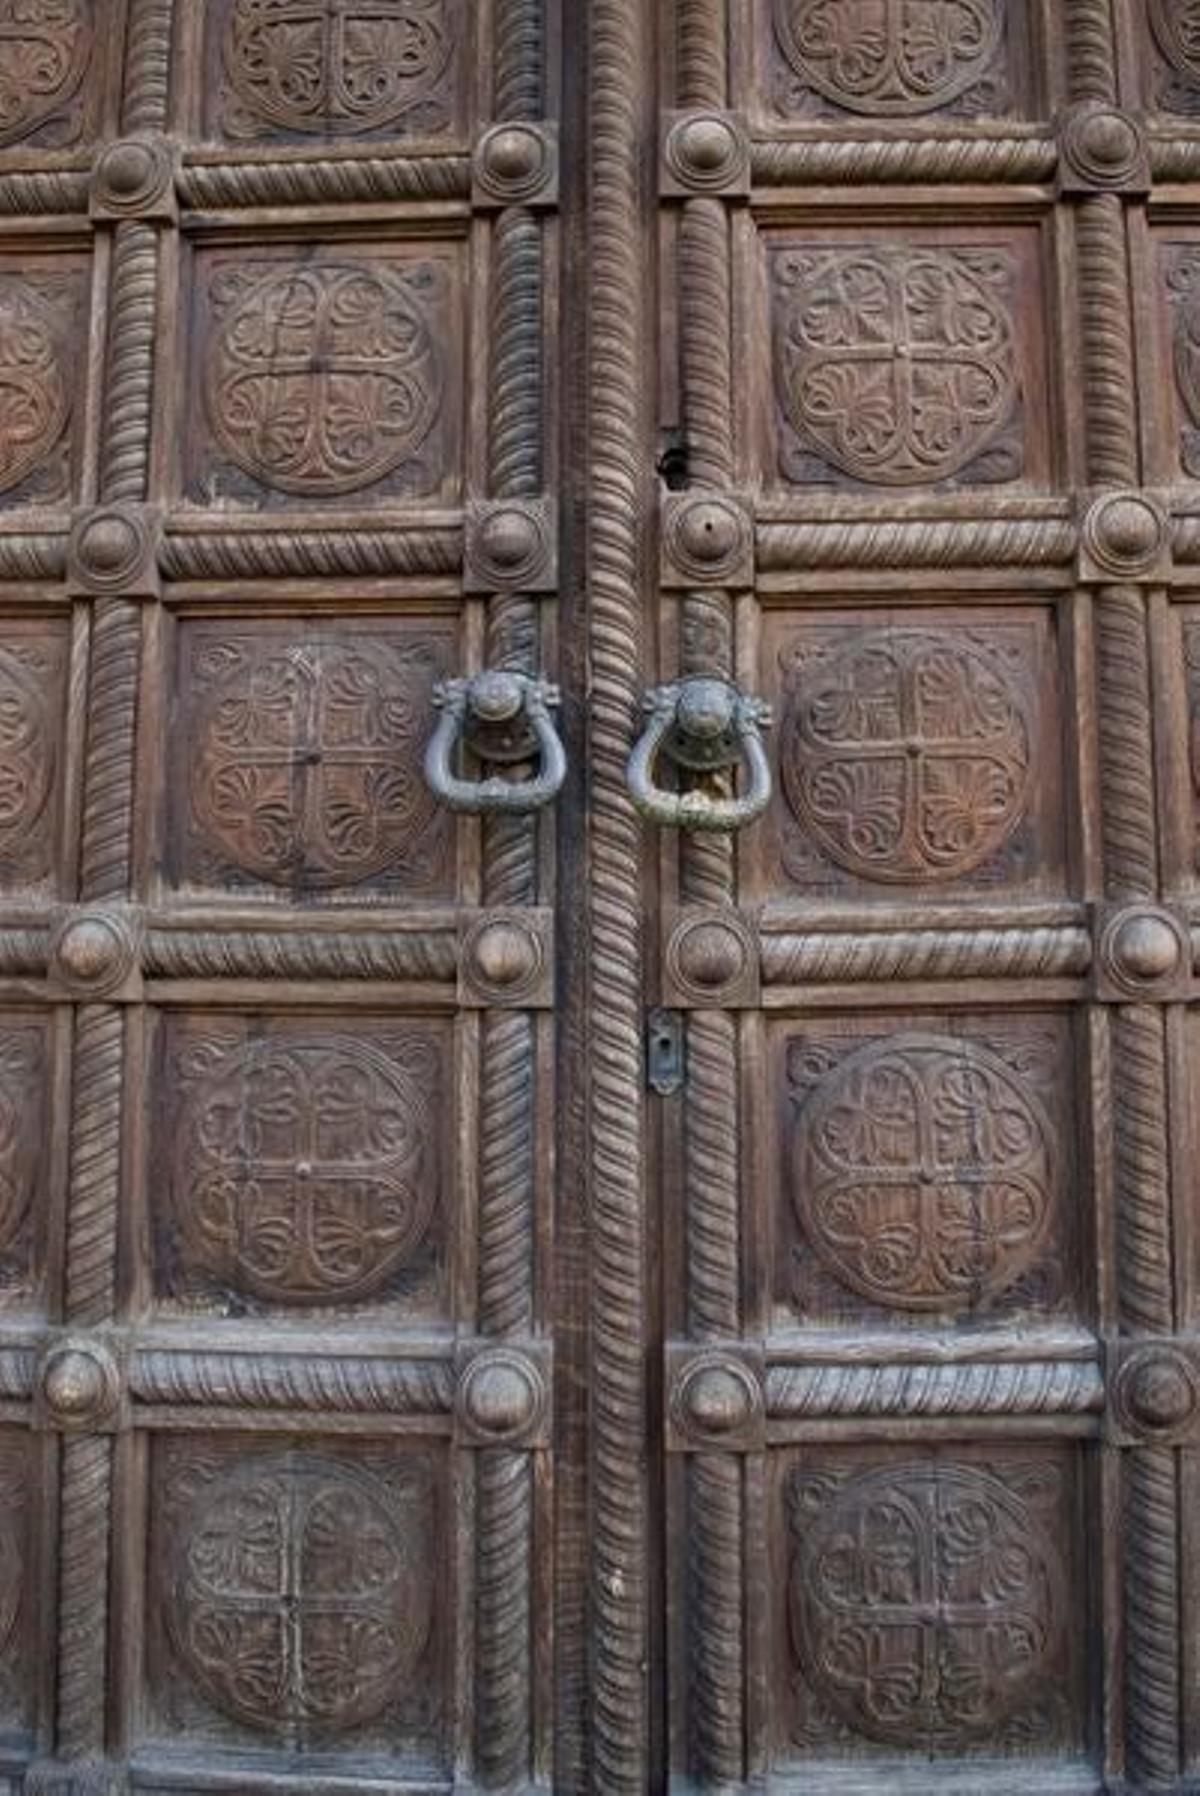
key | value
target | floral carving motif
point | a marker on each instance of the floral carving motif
(304, 763)
(21, 1073)
(322, 378)
(300, 1590)
(907, 756)
(924, 1599)
(897, 365)
(27, 755)
(44, 50)
(1176, 28)
(336, 68)
(888, 57)
(35, 398)
(923, 1172)
(1183, 280)
(305, 1170)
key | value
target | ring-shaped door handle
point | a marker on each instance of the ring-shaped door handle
(508, 706)
(702, 724)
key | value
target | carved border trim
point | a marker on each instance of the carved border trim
(833, 957)
(175, 1377)
(827, 1391)
(258, 554)
(894, 543)
(847, 161)
(619, 45)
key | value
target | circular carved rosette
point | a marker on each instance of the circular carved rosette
(509, 547)
(907, 756)
(306, 1169)
(504, 962)
(516, 165)
(712, 959)
(1125, 537)
(322, 378)
(716, 1401)
(338, 68)
(1102, 148)
(707, 152)
(1156, 1393)
(925, 1603)
(708, 540)
(94, 952)
(134, 178)
(897, 365)
(299, 1592)
(113, 551)
(35, 383)
(1143, 952)
(79, 1385)
(502, 1398)
(923, 1173)
(890, 58)
(45, 46)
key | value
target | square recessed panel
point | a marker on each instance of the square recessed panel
(296, 764)
(296, 1599)
(313, 71)
(302, 1164)
(19, 1617)
(51, 74)
(33, 679)
(928, 1169)
(874, 60)
(906, 360)
(25, 1066)
(324, 374)
(919, 751)
(928, 1604)
(1179, 415)
(1171, 56)
(43, 345)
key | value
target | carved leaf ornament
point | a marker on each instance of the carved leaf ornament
(923, 1173)
(322, 379)
(335, 68)
(897, 365)
(924, 1601)
(907, 756)
(889, 57)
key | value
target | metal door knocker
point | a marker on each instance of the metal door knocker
(703, 725)
(504, 719)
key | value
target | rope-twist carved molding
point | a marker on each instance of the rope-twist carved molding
(932, 543)
(1141, 1169)
(291, 1381)
(618, 1695)
(850, 161)
(1150, 1537)
(506, 1195)
(716, 1602)
(308, 183)
(85, 1520)
(95, 1162)
(315, 954)
(1020, 1388)
(503, 1641)
(830, 959)
(277, 554)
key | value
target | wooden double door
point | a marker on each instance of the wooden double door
(504, 1286)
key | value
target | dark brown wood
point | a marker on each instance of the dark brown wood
(396, 1394)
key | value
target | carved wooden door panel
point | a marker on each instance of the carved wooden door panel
(276, 1055)
(930, 277)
